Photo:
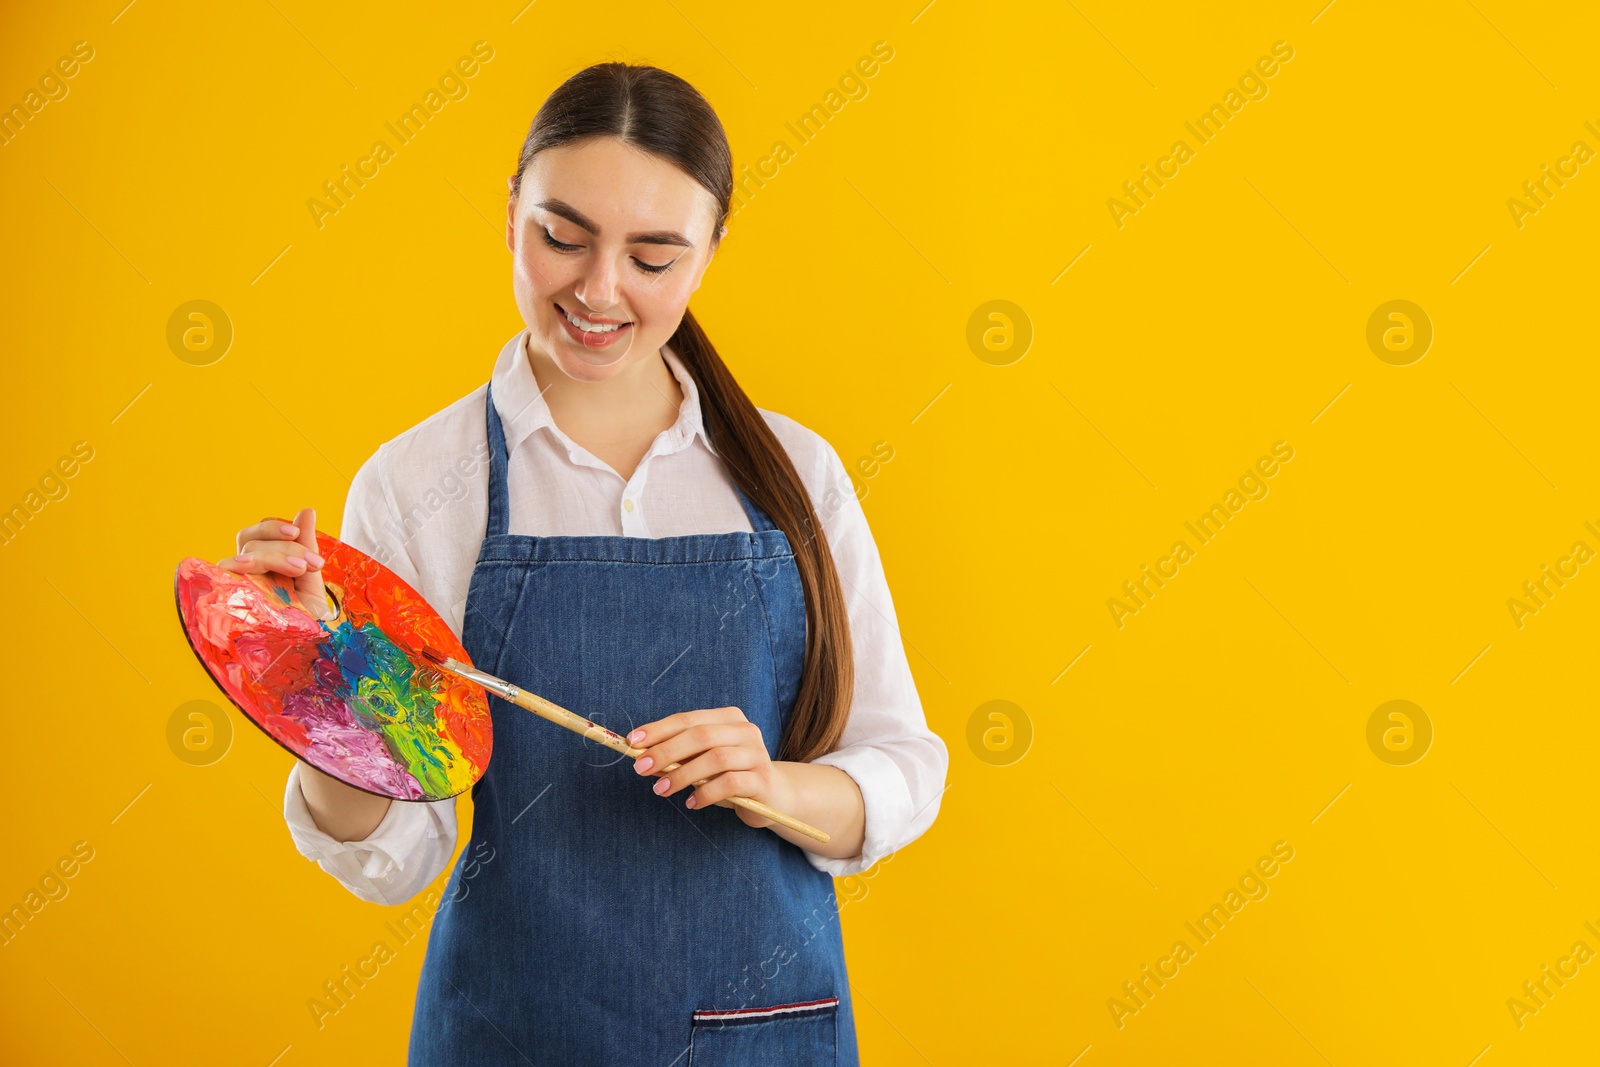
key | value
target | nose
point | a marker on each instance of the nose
(597, 288)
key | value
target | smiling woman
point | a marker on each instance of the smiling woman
(575, 272)
(633, 492)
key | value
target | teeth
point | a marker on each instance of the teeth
(589, 327)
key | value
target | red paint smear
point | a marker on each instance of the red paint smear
(269, 658)
(374, 593)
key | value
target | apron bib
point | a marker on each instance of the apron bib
(590, 921)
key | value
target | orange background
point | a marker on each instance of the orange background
(1140, 770)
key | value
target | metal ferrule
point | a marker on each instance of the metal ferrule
(504, 690)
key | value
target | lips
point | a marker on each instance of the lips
(594, 320)
(591, 338)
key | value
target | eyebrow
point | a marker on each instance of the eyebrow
(578, 218)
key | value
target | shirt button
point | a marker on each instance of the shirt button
(627, 504)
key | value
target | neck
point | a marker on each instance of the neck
(643, 396)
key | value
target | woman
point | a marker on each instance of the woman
(612, 524)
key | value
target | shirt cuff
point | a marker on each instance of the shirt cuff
(887, 802)
(375, 867)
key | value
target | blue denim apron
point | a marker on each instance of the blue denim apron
(590, 921)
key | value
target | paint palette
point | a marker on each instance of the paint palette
(353, 696)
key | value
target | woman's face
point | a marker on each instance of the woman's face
(606, 233)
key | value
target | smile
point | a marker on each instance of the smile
(591, 334)
(590, 327)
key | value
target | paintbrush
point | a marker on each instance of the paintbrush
(595, 732)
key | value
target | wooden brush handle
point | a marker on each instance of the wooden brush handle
(616, 742)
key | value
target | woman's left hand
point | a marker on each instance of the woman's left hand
(717, 744)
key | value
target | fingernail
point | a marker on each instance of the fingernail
(245, 558)
(663, 785)
(295, 560)
(636, 736)
(644, 764)
(313, 559)
(290, 530)
(689, 801)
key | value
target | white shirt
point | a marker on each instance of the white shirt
(419, 505)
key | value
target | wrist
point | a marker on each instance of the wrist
(786, 789)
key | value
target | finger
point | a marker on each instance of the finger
(697, 739)
(291, 549)
(708, 765)
(655, 732)
(724, 786)
(270, 528)
(263, 559)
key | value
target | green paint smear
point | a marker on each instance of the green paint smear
(385, 695)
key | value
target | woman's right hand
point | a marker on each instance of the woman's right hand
(283, 547)
(289, 548)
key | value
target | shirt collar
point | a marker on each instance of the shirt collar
(523, 410)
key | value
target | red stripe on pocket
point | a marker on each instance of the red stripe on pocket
(776, 1009)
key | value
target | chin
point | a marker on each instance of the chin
(588, 366)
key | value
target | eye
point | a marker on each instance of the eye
(648, 268)
(557, 245)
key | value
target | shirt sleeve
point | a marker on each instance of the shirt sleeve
(413, 843)
(887, 748)
(394, 863)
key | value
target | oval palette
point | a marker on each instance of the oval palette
(353, 696)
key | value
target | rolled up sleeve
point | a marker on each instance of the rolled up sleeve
(413, 843)
(887, 749)
(406, 852)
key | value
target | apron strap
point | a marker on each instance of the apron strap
(499, 503)
(499, 500)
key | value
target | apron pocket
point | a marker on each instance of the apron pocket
(779, 1035)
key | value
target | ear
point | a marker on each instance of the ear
(511, 216)
(707, 264)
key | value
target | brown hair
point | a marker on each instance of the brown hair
(660, 113)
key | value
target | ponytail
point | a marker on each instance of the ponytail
(758, 464)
